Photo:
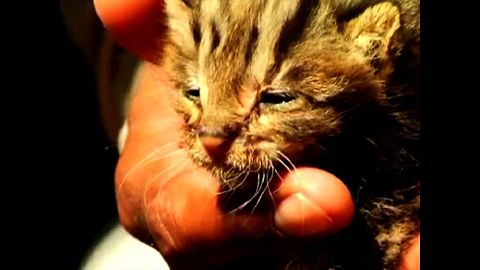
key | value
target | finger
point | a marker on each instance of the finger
(313, 201)
(135, 24)
(411, 259)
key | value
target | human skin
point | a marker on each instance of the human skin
(170, 202)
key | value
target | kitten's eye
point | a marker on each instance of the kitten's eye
(276, 97)
(193, 93)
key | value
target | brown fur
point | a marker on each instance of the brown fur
(337, 62)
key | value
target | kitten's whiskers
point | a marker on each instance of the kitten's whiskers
(164, 181)
(257, 190)
(270, 193)
(233, 188)
(151, 157)
(263, 182)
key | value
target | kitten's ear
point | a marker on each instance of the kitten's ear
(373, 33)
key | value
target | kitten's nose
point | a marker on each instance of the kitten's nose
(213, 145)
(216, 140)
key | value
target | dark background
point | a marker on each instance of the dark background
(58, 164)
(85, 155)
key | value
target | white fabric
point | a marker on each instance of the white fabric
(118, 250)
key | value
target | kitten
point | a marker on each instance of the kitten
(266, 84)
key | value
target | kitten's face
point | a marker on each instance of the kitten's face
(259, 81)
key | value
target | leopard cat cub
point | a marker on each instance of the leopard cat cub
(266, 84)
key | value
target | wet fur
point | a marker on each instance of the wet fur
(352, 68)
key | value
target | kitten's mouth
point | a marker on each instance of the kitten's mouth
(249, 172)
(252, 191)
(245, 185)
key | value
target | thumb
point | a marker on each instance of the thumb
(313, 201)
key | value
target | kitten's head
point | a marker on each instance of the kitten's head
(262, 81)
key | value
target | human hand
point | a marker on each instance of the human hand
(167, 200)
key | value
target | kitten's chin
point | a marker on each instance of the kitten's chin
(246, 176)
